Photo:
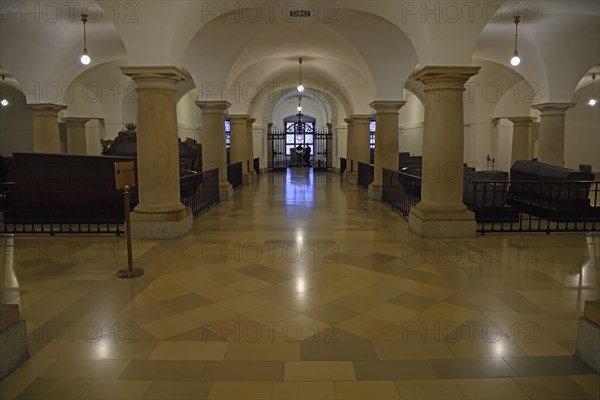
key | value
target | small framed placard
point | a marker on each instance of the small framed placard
(124, 174)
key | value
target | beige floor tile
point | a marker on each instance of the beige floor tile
(208, 314)
(170, 326)
(241, 390)
(200, 351)
(19, 379)
(178, 390)
(105, 348)
(441, 389)
(493, 388)
(366, 326)
(319, 371)
(263, 351)
(303, 391)
(590, 383)
(390, 313)
(411, 350)
(243, 303)
(81, 368)
(118, 390)
(369, 390)
(249, 284)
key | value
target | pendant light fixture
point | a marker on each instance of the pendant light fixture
(516, 60)
(3, 102)
(85, 58)
(592, 101)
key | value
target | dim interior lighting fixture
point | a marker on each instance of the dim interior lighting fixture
(516, 60)
(300, 87)
(300, 90)
(85, 58)
(4, 102)
(592, 101)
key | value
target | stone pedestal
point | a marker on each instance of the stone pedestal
(350, 164)
(521, 139)
(76, 137)
(441, 212)
(386, 142)
(250, 148)
(46, 138)
(239, 143)
(159, 213)
(13, 339)
(214, 151)
(551, 147)
(587, 347)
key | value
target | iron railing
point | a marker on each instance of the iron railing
(365, 175)
(234, 174)
(533, 206)
(200, 191)
(57, 208)
(400, 190)
(512, 206)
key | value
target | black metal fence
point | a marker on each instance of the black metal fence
(512, 206)
(256, 165)
(52, 212)
(200, 191)
(400, 190)
(533, 206)
(234, 175)
(343, 165)
(365, 174)
(61, 209)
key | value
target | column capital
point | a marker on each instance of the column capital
(76, 121)
(387, 107)
(433, 74)
(46, 109)
(250, 121)
(213, 107)
(361, 118)
(522, 121)
(238, 117)
(148, 77)
(553, 108)
(349, 121)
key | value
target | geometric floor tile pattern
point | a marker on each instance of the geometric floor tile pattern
(302, 288)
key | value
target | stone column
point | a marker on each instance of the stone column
(521, 139)
(159, 213)
(551, 147)
(441, 212)
(250, 148)
(535, 136)
(350, 151)
(46, 138)
(76, 137)
(362, 142)
(239, 143)
(386, 142)
(214, 151)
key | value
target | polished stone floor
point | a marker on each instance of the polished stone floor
(301, 288)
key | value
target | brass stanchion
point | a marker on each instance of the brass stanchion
(128, 272)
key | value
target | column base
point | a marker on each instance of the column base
(252, 176)
(351, 177)
(173, 225)
(245, 179)
(225, 191)
(375, 191)
(442, 224)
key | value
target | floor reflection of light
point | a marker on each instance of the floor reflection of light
(300, 284)
(499, 349)
(9, 278)
(298, 188)
(102, 348)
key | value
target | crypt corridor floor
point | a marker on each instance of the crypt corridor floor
(301, 288)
